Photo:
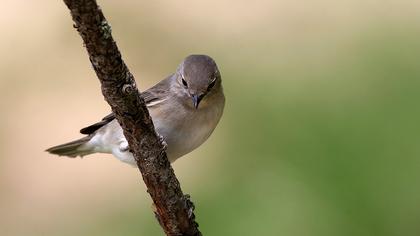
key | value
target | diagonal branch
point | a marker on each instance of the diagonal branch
(174, 210)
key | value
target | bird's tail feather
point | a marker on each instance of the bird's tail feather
(72, 149)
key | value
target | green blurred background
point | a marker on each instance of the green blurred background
(320, 134)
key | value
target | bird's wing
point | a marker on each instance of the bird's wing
(152, 96)
(92, 128)
(156, 94)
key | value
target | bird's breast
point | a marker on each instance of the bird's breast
(185, 129)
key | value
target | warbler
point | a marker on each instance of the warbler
(185, 108)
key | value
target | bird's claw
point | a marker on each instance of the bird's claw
(162, 141)
(124, 146)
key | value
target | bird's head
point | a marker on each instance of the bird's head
(199, 77)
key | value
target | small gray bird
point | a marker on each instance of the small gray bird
(185, 109)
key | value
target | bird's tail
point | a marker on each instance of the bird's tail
(72, 149)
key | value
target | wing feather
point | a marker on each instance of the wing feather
(152, 96)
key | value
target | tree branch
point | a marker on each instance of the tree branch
(174, 210)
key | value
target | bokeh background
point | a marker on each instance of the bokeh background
(320, 135)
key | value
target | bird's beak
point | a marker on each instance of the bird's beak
(196, 100)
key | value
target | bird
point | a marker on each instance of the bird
(185, 109)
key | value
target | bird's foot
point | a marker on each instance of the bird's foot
(124, 146)
(162, 141)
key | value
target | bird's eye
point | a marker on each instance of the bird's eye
(184, 83)
(211, 85)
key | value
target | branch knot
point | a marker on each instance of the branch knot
(105, 29)
(127, 89)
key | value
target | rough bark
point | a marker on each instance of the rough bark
(174, 210)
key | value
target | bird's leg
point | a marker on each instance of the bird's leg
(124, 146)
(162, 141)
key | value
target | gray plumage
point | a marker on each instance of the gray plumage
(185, 108)
(71, 149)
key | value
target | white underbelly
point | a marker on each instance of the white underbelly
(184, 135)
